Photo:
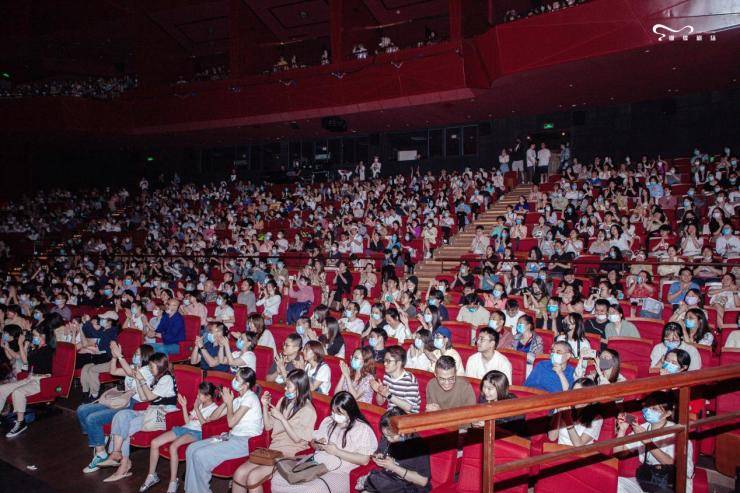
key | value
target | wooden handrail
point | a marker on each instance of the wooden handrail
(603, 393)
(606, 393)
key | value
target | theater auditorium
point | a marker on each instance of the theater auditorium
(371, 246)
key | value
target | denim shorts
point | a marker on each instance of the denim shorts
(181, 430)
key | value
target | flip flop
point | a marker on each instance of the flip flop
(111, 479)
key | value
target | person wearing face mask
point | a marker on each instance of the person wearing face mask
(209, 351)
(574, 334)
(555, 374)
(672, 338)
(416, 355)
(97, 335)
(313, 364)
(302, 294)
(376, 339)
(728, 243)
(403, 461)
(170, 330)
(618, 326)
(192, 304)
(286, 361)
(343, 442)
(657, 469)
(597, 325)
(606, 368)
(161, 390)
(244, 355)
(679, 289)
(224, 313)
(37, 355)
(94, 416)
(60, 307)
(695, 325)
(349, 321)
(675, 361)
(243, 411)
(355, 378)
(190, 432)
(291, 422)
(464, 276)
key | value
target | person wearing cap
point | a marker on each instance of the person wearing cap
(94, 354)
(442, 338)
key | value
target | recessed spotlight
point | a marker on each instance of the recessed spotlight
(647, 51)
(674, 68)
(573, 105)
(570, 85)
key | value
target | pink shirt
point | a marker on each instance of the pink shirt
(302, 295)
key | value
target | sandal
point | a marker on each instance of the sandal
(111, 479)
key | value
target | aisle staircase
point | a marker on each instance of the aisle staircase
(460, 243)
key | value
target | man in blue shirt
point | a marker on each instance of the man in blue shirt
(554, 375)
(678, 289)
(171, 329)
(208, 349)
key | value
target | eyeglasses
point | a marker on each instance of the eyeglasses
(447, 380)
(389, 361)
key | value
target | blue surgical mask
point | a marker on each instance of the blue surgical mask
(373, 341)
(552, 308)
(356, 363)
(240, 344)
(472, 309)
(347, 313)
(300, 330)
(671, 367)
(290, 395)
(439, 343)
(497, 293)
(219, 301)
(136, 360)
(520, 328)
(671, 345)
(690, 323)
(128, 282)
(419, 344)
(36, 315)
(108, 292)
(236, 385)
(428, 318)
(432, 302)
(36, 341)
(493, 324)
(651, 415)
(6, 337)
(556, 358)
(210, 338)
(376, 316)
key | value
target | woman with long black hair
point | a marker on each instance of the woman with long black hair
(291, 422)
(343, 441)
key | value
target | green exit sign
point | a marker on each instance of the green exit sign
(548, 126)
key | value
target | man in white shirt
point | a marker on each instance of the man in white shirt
(480, 241)
(531, 163)
(487, 358)
(543, 161)
(356, 246)
(728, 244)
(512, 312)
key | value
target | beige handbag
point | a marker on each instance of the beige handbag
(155, 419)
(116, 399)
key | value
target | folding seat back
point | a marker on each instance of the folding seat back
(547, 338)
(265, 358)
(187, 379)
(580, 474)
(130, 340)
(422, 378)
(465, 351)
(461, 332)
(240, 318)
(351, 343)
(508, 449)
(649, 329)
(280, 332)
(518, 362)
(633, 350)
(336, 371)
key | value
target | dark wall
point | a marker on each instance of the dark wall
(672, 126)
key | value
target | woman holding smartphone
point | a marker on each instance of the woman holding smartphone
(291, 421)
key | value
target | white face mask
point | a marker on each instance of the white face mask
(339, 419)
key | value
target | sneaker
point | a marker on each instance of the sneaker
(94, 464)
(150, 481)
(172, 487)
(18, 428)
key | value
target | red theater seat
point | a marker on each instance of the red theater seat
(633, 350)
(60, 381)
(576, 474)
(265, 358)
(518, 362)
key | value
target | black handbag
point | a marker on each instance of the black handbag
(656, 478)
